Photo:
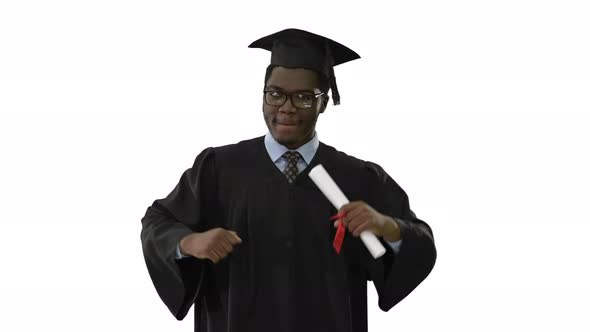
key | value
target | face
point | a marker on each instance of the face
(290, 126)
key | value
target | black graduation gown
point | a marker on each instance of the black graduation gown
(285, 275)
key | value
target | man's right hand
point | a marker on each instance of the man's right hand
(215, 244)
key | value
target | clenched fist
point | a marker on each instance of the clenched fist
(215, 244)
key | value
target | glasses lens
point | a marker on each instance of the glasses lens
(303, 100)
(274, 98)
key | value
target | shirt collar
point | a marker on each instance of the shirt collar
(276, 150)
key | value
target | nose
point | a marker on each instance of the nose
(287, 106)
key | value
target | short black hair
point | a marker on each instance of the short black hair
(324, 81)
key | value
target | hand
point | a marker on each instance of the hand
(215, 244)
(360, 217)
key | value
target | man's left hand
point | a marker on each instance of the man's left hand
(360, 216)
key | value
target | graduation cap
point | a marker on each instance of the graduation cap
(294, 48)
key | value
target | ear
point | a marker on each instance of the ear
(324, 103)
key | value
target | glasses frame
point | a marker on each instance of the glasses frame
(290, 96)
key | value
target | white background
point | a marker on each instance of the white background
(477, 109)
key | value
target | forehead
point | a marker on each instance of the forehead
(294, 79)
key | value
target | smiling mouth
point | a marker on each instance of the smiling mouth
(286, 123)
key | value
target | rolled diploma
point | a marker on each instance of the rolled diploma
(333, 193)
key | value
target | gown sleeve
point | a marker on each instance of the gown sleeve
(185, 210)
(395, 275)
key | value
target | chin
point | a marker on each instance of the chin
(285, 140)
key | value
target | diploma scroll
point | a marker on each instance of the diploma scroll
(333, 193)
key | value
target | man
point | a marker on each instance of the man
(246, 235)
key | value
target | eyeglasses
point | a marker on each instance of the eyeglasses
(299, 99)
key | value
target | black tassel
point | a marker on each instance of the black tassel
(330, 66)
(335, 94)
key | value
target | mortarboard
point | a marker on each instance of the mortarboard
(294, 48)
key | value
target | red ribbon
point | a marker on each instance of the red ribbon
(340, 232)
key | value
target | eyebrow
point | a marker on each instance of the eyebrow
(274, 87)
